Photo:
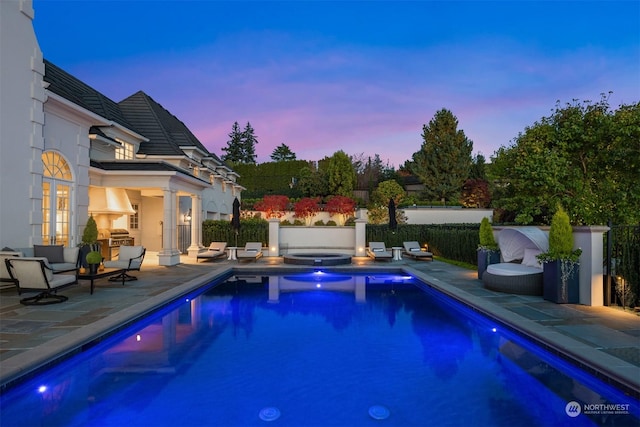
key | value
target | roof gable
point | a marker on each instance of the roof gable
(67, 86)
(165, 131)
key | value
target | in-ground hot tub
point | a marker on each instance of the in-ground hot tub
(317, 259)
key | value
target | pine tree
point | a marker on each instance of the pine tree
(282, 153)
(234, 148)
(249, 141)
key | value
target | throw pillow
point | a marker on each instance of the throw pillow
(530, 258)
(53, 253)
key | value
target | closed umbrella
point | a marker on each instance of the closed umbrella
(393, 223)
(235, 220)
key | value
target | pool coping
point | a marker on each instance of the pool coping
(612, 370)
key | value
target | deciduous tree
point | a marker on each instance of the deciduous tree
(584, 157)
(342, 207)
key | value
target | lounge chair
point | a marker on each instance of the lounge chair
(6, 281)
(215, 250)
(61, 259)
(377, 250)
(252, 250)
(413, 250)
(129, 258)
(34, 274)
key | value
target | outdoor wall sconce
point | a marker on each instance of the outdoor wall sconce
(187, 216)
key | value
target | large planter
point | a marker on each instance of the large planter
(486, 257)
(85, 249)
(553, 289)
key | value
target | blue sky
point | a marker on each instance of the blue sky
(359, 76)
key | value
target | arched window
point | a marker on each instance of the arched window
(56, 199)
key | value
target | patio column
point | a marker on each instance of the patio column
(196, 226)
(274, 237)
(590, 240)
(169, 255)
(361, 238)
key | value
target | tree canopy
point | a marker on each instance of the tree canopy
(282, 153)
(444, 160)
(341, 175)
(584, 157)
(241, 146)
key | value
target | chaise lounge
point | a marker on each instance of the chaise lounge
(378, 251)
(34, 274)
(251, 251)
(214, 251)
(413, 250)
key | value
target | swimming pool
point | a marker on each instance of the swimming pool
(315, 349)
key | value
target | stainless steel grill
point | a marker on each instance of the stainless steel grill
(111, 240)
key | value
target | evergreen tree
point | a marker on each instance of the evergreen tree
(444, 160)
(341, 175)
(234, 149)
(282, 153)
(249, 141)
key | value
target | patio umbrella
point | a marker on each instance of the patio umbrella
(235, 220)
(393, 223)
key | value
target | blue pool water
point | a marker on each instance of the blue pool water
(315, 349)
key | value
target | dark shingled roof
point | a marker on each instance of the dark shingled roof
(166, 133)
(129, 166)
(72, 89)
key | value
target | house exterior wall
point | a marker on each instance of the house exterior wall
(66, 132)
(21, 121)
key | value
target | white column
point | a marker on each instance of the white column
(196, 226)
(590, 240)
(361, 238)
(169, 255)
(274, 237)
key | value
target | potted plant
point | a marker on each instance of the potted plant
(488, 250)
(89, 241)
(560, 277)
(93, 258)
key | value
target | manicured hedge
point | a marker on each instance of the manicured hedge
(453, 241)
(251, 230)
(457, 242)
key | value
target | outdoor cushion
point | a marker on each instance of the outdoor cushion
(512, 269)
(53, 253)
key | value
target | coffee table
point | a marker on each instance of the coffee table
(107, 272)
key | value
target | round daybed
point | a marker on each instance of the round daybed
(513, 278)
(519, 272)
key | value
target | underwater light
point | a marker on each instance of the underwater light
(318, 285)
(494, 330)
(42, 389)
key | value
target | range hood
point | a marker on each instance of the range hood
(109, 201)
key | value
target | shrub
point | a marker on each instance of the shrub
(560, 239)
(319, 223)
(90, 233)
(331, 223)
(487, 240)
(94, 257)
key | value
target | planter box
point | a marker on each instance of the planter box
(552, 288)
(485, 258)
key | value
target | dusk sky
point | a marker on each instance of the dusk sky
(362, 77)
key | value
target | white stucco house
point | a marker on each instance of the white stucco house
(68, 151)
